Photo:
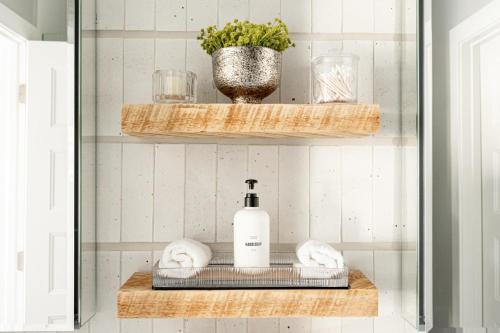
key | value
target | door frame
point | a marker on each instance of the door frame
(465, 141)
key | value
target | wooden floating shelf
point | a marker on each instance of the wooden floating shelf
(136, 299)
(251, 120)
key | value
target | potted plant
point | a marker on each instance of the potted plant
(246, 58)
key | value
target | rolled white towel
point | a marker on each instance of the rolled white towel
(313, 253)
(183, 258)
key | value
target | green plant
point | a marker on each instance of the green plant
(273, 35)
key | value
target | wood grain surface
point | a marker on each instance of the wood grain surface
(251, 120)
(136, 299)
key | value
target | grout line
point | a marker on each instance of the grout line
(216, 191)
(278, 193)
(341, 175)
(185, 182)
(355, 36)
(342, 16)
(121, 277)
(121, 192)
(309, 193)
(378, 141)
(155, 23)
(218, 14)
(248, 161)
(185, 57)
(372, 226)
(153, 195)
(124, 14)
(186, 15)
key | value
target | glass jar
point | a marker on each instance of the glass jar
(335, 78)
(174, 86)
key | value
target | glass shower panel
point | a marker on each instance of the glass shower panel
(87, 162)
(410, 164)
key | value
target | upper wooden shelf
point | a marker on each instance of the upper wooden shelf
(251, 120)
(136, 299)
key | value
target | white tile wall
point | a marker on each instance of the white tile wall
(110, 14)
(201, 13)
(170, 167)
(170, 54)
(357, 15)
(109, 85)
(139, 14)
(325, 193)
(171, 15)
(151, 191)
(326, 16)
(109, 180)
(271, 325)
(295, 76)
(261, 11)
(357, 224)
(326, 325)
(297, 15)
(293, 200)
(200, 63)
(263, 164)
(138, 67)
(231, 172)
(201, 183)
(232, 9)
(137, 193)
(387, 16)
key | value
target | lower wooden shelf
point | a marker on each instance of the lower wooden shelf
(136, 299)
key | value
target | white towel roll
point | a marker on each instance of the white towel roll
(183, 258)
(313, 253)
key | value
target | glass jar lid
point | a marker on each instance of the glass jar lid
(334, 56)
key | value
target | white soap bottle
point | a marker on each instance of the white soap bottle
(251, 232)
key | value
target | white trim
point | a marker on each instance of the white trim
(466, 161)
(13, 151)
(427, 139)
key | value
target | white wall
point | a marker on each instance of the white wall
(12, 20)
(52, 19)
(151, 191)
(33, 19)
(446, 14)
(154, 191)
(27, 9)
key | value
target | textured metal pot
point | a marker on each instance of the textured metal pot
(246, 74)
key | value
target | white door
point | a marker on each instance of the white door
(475, 128)
(11, 178)
(490, 139)
(49, 232)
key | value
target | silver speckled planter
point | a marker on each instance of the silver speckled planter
(246, 74)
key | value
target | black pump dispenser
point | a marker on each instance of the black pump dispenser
(251, 199)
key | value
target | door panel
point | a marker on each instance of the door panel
(50, 173)
(490, 121)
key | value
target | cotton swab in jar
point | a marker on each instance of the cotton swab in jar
(335, 85)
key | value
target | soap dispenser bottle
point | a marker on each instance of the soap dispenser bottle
(251, 232)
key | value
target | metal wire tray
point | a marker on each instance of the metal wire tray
(220, 274)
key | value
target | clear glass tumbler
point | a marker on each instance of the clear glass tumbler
(335, 78)
(174, 86)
